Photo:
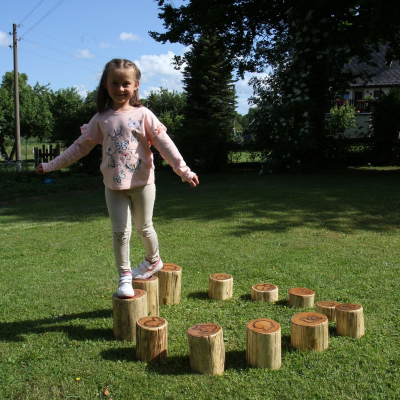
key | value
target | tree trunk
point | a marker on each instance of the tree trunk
(327, 308)
(309, 331)
(150, 285)
(264, 292)
(206, 349)
(350, 320)
(263, 343)
(170, 282)
(220, 286)
(151, 339)
(301, 298)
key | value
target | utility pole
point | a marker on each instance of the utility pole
(16, 101)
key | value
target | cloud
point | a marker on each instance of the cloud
(84, 54)
(5, 39)
(81, 89)
(129, 36)
(105, 45)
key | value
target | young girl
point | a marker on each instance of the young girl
(126, 130)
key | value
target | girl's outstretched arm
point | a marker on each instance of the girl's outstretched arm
(195, 181)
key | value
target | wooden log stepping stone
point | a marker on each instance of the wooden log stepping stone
(264, 292)
(125, 314)
(151, 339)
(220, 287)
(206, 349)
(327, 308)
(150, 285)
(350, 320)
(301, 298)
(309, 330)
(169, 283)
(263, 343)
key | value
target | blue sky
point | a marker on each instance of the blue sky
(67, 43)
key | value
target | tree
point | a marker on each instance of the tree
(210, 101)
(307, 45)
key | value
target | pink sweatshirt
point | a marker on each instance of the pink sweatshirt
(126, 137)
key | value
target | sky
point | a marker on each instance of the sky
(66, 43)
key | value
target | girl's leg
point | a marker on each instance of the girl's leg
(119, 210)
(142, 212)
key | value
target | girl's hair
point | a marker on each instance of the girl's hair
(104, 101)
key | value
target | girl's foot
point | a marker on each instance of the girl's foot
(125, 289)
(146, 269)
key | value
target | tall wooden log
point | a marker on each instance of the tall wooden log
(151, 339)
(266, 292)
(125, 314)
(263, 343)
(350, 320)
(206, 349)
(169, 283)
(327, 308)
(309, 330)
(220, 286)
(301, 298)
(150, 285)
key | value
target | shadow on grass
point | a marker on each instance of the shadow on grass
(15, 331)
(175, 365)
(201, 295)
(120, 354)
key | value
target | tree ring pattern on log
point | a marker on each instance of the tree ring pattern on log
(328, 304)
(348, 307)
(264, 287)
(151, 322)
(201, 330)
(151, 278)
(168, 267)
(301, 291)
(309, 318)
(221, 277)
(263, 325)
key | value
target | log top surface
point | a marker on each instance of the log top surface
(152, 278)
(348, 307)
(138, 293)
(264, 287)
(328, 303)
(202, 330)
(220, 277)
(168, 267)
(151, 322)
(309, 318)
(300, 291)
(263, 325)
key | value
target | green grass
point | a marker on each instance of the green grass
(335, 233)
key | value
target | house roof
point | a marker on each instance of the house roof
(383, 75)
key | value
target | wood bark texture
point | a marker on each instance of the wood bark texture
(327, 308)
(169, 283)
(264, 292)
(263, 343)
(151, 339)
(309, 330)
(206, 349)
(220, 287)
(125, 314)
(301, 298)
(150, 285)
(350, 320)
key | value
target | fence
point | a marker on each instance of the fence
(46, 154)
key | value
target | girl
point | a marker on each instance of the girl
(126, 130)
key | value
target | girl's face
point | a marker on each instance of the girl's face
(120, 85)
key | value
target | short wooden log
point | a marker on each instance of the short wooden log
(264, 292)
(125, 314)
(350, 320)
(220, 286)
(150, 285)
(151, 339)
(206, 349)
(309, 330)
(263, 343)
(327, 308)
(301, 298)
(169, 283)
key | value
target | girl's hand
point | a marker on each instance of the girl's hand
(195, 181)
(39, 169)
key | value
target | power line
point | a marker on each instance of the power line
(40, 2)
(41, 19)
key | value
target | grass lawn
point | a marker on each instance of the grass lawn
(335, 233)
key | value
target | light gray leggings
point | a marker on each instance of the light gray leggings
(136, 203)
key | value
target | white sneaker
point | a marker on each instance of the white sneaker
(125, 289)
(146, 270)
